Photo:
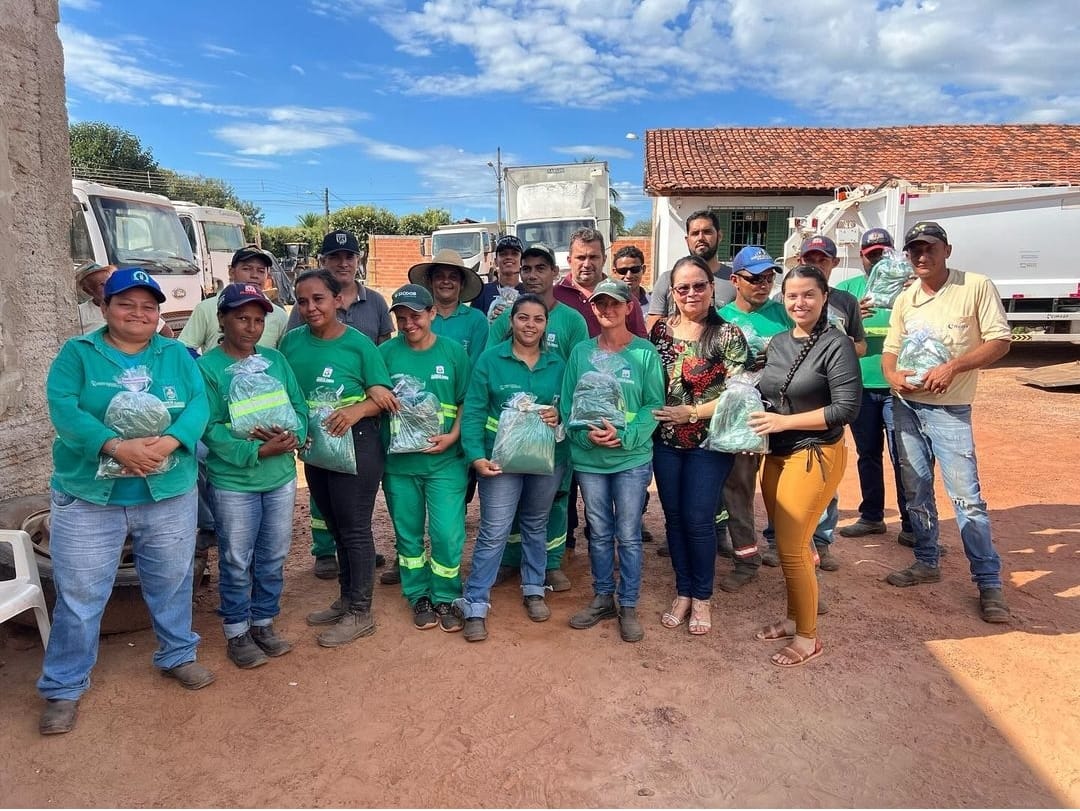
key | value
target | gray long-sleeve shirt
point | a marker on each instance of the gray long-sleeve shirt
(828, 377)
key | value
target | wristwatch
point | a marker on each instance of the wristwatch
(693, 413)
(111, 446)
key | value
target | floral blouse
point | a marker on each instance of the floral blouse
(692, 379)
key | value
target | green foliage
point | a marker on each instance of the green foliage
(364, 220)
(424, 223)
(618, 221)
(274, 238)
(642, 228)
(311, 220)
(209, 191)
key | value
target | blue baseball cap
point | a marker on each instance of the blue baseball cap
(754, 259)
(127, 278)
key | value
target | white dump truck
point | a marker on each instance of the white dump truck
(114, 226)
(214, 235)
(473, 241)
(548, 203)
(1019, 235)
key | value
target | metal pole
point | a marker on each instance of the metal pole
(326, 206)
(499, 185)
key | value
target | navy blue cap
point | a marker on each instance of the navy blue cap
(339, 240)
(819, 243)
(238, 294)
(875, 239)
(127, 278)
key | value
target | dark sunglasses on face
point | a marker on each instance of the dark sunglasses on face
(757, 278)
(683, 290)
(625, 271)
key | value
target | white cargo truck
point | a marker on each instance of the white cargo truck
(214, 235)
(548, 203)
(473, 241)
(1019, 235)
(114, 226)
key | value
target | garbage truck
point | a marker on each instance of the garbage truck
(1018, 235)
(473, 241)
(214, 235)
(548, 203)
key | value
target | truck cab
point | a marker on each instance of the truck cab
(214, 235)
(113, 226)
(473, 241)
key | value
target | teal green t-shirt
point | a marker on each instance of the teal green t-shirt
(566, 329)
(443, 369)
(768, 320)
(345, 366)
(877, 327)
(466, 326)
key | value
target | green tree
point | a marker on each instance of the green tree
(425, 222)
(210, 191)
(311, 220)
(108, 154)
(275, 237)
(642, 228)
(364, 220)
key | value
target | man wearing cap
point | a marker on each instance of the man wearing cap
(873, 429)
(703, 238)
(586, 257)
(844, 314)
(753, 272)
(507, 273)
(453, 285)
(566, 329)
(428, 483)
(963, 311)
(249, 265)
(364, 310)
(90, 280)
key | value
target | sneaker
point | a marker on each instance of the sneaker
(58, 716)
(863, 527)
(629, 626)
(829, 562)
(556, 580)
(536, 608)
(504, 574)
(475, 629)
(353, 625)
(602, 607)
(915, 574)
(424, 614)
(449, 621)
(326, 567)
(328, 616)
(391, 576)
(770, 557)
(270, 642)
(191, 675)
(244, 653)
(743, 573)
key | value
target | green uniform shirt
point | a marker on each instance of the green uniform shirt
(565, 330)
(203, 332)
(443, 368)
(82, 381)
(768, 320)
(497, 377)
(234, 464)
(466, 326)
(877, 327)
(345, 366)
(643, 390)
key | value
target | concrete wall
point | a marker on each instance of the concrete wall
(37, 296)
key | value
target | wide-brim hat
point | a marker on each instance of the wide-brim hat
(471, 284)
(86, 269)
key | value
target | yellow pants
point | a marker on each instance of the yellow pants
(796, 490)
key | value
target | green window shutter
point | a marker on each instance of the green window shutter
(725, 252)
(776, 232)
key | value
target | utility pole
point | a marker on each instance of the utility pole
(326, 207)
(497, 168)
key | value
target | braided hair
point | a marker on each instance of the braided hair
(806, 272)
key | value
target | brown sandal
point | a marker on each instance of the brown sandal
(673, 617)
(774, 631)
(701, 617)
(797, 658)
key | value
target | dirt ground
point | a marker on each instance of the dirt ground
(916, 702)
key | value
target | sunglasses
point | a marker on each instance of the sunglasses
(625, 271)
(757, 278)
(683, 290)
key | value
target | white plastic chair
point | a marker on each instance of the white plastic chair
(25, 590)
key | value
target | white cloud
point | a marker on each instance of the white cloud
(297, 68)
(217, 51)
(80, 5)
(598, 152)
(240, 161)
(108, 71)
(285, 138)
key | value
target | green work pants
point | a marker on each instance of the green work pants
(322, 542)
(439, 498)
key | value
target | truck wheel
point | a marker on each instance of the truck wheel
(125, 611)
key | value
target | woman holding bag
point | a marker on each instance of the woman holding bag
(520, 366)
(699, 351)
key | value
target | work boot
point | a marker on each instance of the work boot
(328, 616)
(915, 574)
(862, 527)
(353, 625)
(449, 621)
(326, 567)
(992, 606)
(391, 576)
(743, 573)
(536, 608)
(770, 557)
(58, 716)
(270, 642)
(191, 675)
(556, 580)
(629, 626)
(828, 561)
(244, 653)
(602, 607)
(424, 614)
(908, 539)
(475, 629)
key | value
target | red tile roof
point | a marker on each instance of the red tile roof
(772, 160)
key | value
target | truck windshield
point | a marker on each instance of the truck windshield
(143, 234)
(223, 236)
(465, 243)
(556, 235)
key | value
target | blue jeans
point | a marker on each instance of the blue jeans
(873, 431)
(943, 433)
(688, 478)
(254, 533)
(613, 503)
(529, 497)
(85, 544)
(205, 514)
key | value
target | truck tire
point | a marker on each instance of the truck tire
(125, 611)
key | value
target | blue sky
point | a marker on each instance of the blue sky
(402, 104)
